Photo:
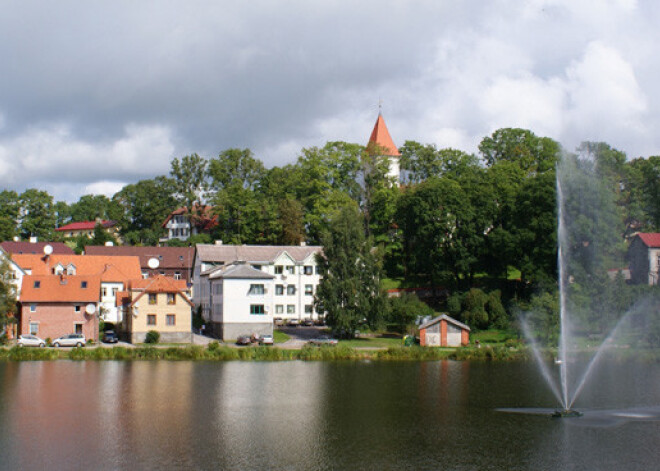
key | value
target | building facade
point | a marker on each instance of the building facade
(644, 258)
(444, 331)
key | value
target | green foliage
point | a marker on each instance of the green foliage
(404, 310)
(38, 214)
(9, 214)
(153, 336)
(349, 290)
(478, 309)
(7, 293)
(189, 175)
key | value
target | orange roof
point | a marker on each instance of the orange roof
(61, 289)
(380, 141)
(159, 284)
(650, 239)
(110, 269)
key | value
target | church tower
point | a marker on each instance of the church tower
(381, 144)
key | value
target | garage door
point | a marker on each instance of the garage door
(432, 340)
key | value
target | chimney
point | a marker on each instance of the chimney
(303, 244)
(17, 239)
(218, 242)
(33, 240)
(109, 243)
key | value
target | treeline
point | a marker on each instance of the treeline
(456, 218)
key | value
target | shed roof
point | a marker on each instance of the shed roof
(650, 239)
(445, 317)
(85, 225)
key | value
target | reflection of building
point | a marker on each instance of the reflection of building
(644, 258)
(181, 224)
(175, 262)
(56, 305)
(86, 228)
(443, 331)
(288, 276)
(382, 145)
(159, 303)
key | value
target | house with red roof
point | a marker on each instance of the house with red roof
(381, 144)
(86, 228)
(159, 303)
(56, 305)
(644, 258)
(181, 223)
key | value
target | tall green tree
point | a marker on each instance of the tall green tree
(93, 207)
(38, 214)
(7, 294)
(9, 214)
(349, 290)
(190, 178)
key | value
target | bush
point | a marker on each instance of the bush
(153, 336)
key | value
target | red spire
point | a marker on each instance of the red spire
(380, 139)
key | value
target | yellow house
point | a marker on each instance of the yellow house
(159, 304)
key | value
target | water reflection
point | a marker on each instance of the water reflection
(297, 415)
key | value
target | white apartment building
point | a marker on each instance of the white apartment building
(288, 276)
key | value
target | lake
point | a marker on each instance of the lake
(315, 415)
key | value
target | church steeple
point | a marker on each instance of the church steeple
(381, 143)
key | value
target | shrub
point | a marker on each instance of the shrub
(153, 336)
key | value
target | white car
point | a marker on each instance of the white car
(266, 339)
(71, 340)
(29, 340)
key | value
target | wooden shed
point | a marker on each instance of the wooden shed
(444, 331)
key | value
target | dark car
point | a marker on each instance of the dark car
(307, 322)
(109, 336)
(244, 340)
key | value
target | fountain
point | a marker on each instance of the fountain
(586, 236)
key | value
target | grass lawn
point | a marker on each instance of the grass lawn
(492, 336)
(279, 336)
(372, 342)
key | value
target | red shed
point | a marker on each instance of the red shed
(443, 331)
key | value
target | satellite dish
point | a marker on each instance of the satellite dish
(90, 308)
(48, 249)
(153, 263)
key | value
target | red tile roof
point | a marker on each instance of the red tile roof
(168, 257)
(34, 247)
(61, 289)
(650, 239)
(380, 141)
(85, 226)
(158, 284)
(110, 269)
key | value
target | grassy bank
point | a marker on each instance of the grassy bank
(217, 352)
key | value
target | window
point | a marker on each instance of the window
(318, 269)
(34, 328)
(177, 275)
(153, 298)
(76, 308)
(309, 290)
(309, 309)
(145, 275)
(290, 309)
(104, 291)
(308, 270)
(37, 284)
(33, 308)
(279, 269)
(170, 319)
(162, 273)
(279, 309)
(257, 267)
(256, 289)
(257, 309)
(181, 258)
(291, 290)
(151, 319)
(171, 298)
(279, 290)
(78, 328)
(83, 284)
(291, 270)
(114, 291)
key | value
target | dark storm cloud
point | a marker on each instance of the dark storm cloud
(95, 94)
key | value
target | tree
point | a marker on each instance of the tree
(7, 294)
(9, 214)
(190, 178)
(349, 291)
(93, 207)
(38, 214)
(531, 153)
(404, 310)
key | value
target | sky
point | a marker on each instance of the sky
(95, 95)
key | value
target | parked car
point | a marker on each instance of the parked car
(307, 322)
(243, 340)
(323, 341)
(278, 321)
(29, 340)
(71, 340)
(266, 339)
(109, 336)
(293, 322)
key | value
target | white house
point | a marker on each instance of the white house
(15, 274)
(291, 271)
(240, 301)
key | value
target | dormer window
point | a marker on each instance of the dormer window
(83, 284)
(37, 284)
